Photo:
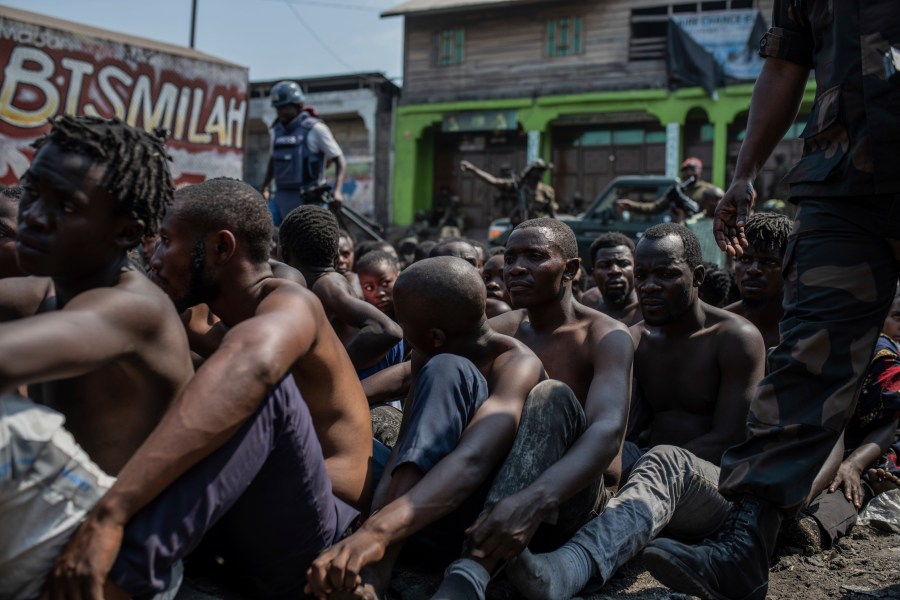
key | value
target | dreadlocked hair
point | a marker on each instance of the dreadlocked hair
(309, 236)
(719, 287)
(137, 174)
(768, 232)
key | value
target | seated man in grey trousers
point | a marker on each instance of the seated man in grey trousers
(696, 367)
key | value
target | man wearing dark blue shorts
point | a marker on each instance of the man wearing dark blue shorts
(237, 447)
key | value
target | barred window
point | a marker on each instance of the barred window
(564, 37)
(448, 47)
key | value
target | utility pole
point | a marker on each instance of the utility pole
(193, 21)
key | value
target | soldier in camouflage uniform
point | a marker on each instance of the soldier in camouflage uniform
(533, 197)
(840, 273)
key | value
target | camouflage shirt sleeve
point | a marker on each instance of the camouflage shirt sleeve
(790, 37)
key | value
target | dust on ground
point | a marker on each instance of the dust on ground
(862, 566)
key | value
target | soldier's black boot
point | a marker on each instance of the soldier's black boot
(732, 565)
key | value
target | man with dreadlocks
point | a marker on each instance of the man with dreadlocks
(758, 273)
(103, 347)
(308, 239)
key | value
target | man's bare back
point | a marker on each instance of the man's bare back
(334, 285)
(309, 239)
(340, 411)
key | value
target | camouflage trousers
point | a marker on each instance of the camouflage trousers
(840, 274)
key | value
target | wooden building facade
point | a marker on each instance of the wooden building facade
(583, 84)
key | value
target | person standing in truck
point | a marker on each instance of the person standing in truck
(302, 146)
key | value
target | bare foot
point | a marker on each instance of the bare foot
(882, 480)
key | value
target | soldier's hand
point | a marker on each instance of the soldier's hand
(731, 215)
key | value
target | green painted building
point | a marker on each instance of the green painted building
(584, 85)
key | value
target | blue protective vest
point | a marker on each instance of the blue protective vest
(295, 166)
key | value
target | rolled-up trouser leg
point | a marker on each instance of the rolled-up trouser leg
(840, 275)
(834, 513)
(669, 489)
(269, 486)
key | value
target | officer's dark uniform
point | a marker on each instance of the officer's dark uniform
(841, 263)
(294, 165)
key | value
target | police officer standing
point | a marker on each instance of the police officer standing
(301, 147)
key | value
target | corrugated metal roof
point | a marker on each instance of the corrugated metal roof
(423, 6)
(40, 20)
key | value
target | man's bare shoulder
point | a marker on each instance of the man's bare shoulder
(637, 331)
(134, 298)
(23, 296)
(730, 326)
(736, 308)
(592, 297)
(513, 357)
(332, 283)
(285, 271)
(284, 294)
(508, 323)
(599, 323)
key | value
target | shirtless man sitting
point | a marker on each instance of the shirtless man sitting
(103, 346)
(558, 479)
(309, 242)
(586, 350)
(699, 408)
(758, 274)
(612, 260)
(240, 443)
(469, 386)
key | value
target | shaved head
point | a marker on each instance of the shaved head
(445, 290)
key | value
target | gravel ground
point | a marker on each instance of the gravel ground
(862, 566)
